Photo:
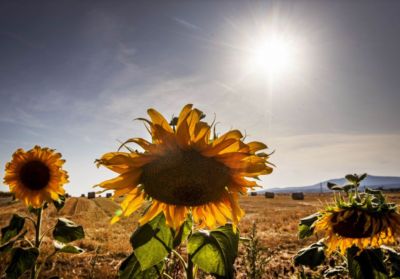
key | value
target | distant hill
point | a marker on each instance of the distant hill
(372, 181)
(5, 194)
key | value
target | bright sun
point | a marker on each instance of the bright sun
(271, 55)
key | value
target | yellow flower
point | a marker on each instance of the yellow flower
(183, 171)
(36, 176)
(345, 227)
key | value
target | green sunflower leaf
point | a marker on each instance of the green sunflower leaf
(362, 177)
(67, 231)
(380, 198)
(59, 204)
(305, 226)
(183, 232)
(215, 251)
(36, 211)
(6, 247)
(335, 271)
(394, 260)
(311, 256)
(63, 248)
(331, 186)
(13, 229)
(152, 242)
(348, 187)
(367, 264)
(174, 121)
(131, 269)
(352, 178)
(21, 261)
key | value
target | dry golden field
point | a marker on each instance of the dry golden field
(107, 245)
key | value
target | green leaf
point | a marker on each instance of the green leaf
(13, 229)
(305, 231)
(63, 248)
(377, 194)
(263, 154)
(309, 220)
(6, 247)
(59, 204)
(394, 260)
(311, 256)
(36, 211)
(67, 231)
(131, 269)
(305, 226)
(330, 185)
(33, 210)
(337, 188)
(366, 264)
(174, 121)
(335, 271)
(362, 177)
(215, 251)
(152, 242)
(21, 261)
(183, 233)
(352, 178)
(348, 187)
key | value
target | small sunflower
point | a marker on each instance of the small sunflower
(345, 227)
(183, 171)
(36, 175)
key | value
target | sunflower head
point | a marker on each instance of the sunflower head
(36, 175)
(368, 221)
(183, 170)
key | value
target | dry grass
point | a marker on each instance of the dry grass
(107, 245)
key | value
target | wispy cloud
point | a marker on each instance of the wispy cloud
(24, 118)
(186, 23)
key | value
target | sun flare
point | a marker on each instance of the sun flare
(272, 55)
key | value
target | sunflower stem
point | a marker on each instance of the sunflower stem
(189, 269)
(189, 266)
(43, 263)
(38, 226)
(181, 259)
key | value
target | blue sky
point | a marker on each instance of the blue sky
(74, 75)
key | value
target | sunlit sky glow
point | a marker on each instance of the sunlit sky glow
(316, 80)
(271, 55)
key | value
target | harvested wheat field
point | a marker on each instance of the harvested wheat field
(107, 245)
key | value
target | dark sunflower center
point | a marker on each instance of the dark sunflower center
(185, 178)
(353, 226)
(35, 175)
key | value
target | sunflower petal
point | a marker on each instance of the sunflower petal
(158, 119)
(213, 151)
(255, 146)
(129, 179)
(155, 209)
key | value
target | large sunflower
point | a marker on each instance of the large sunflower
(358, 226)
(183, 171)
(36, 175)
